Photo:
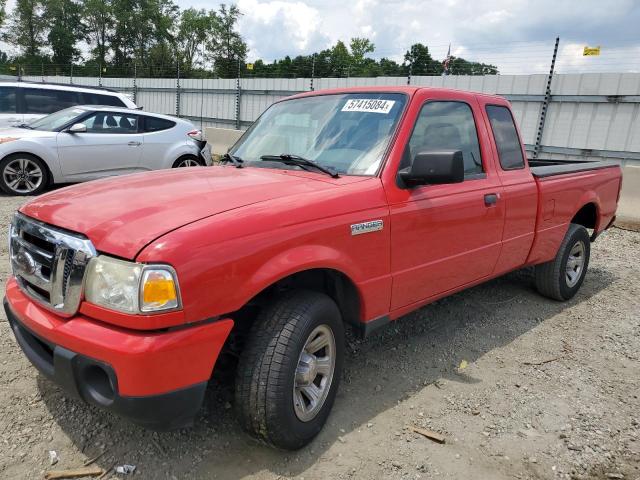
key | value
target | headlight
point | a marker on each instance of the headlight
(131, 287)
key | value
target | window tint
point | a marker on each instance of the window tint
(108, 122)
(7, 100)
(153, 124)
(506, 137)
(102, 99)
(39, 100)
(447, 126)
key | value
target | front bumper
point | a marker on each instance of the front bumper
(154, 379)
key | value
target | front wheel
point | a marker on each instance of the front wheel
(290, 369)
(562, 277)
(23, 174)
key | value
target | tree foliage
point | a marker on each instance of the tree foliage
(157, 39)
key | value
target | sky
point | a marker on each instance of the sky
(517, 35)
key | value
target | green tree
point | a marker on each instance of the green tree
(196, 26)
(98, 23)
(420, 61)
(138, 26)
(65, 29)
(26, 28)
(226, 46)
(359, 49)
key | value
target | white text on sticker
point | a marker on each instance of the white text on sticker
(368, 105)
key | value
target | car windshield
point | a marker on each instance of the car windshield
(348, 133)
(56, 120)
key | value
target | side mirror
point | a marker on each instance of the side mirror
(433, 168)
(77, 128)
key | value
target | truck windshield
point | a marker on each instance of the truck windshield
(347, 133)
(56, 120)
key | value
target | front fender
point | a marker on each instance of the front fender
(299, 259)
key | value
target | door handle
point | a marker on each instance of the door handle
(134, 144)
(491, 199)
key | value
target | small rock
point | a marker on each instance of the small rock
(378, 388)
(342, 440)
(396, 464)
(615, 475)
(53, 457)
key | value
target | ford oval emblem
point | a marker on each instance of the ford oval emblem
(25, 262)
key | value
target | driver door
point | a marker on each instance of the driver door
(447, 236)
(112, 145)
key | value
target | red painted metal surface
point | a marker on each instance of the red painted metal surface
(230, 233)
(146, 363)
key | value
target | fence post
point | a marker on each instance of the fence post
(409, 76)
(545, 102)
(313, 70)
(135, 83)
(178, 91)
(100, 75)
(238, 96)
(20, 72)
(71, 74)
(42, 70)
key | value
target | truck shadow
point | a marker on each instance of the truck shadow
(418, 350)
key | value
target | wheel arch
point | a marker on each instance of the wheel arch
(333, 282)
(587, 215)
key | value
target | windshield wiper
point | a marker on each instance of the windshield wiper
(237, 161)
(24, 125)
(299, 161)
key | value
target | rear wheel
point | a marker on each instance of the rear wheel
(562, 277)
(23, 174)
(290, 369)
(188, 161)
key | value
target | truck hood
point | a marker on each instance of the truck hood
(122, 215)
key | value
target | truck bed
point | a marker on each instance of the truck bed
(541, 167)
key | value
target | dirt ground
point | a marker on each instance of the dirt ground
(550, 391)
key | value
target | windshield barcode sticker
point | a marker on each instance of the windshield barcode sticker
(368, 105)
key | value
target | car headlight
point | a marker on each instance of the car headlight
(131, 287)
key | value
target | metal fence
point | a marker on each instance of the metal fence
(590, 115)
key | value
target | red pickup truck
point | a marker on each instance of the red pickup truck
(341, 208)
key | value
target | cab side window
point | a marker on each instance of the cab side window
(506, 137)
(447, 126)
(111, 122)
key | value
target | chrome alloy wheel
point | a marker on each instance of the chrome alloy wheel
(23, 175)
(314, 373)
(188, 162)
(575, 263)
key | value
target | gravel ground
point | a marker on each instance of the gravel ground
(550, 391)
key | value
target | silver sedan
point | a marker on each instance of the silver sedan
(86, 142)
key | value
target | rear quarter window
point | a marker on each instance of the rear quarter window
(153, 124)
(102, 99)
(506, 137)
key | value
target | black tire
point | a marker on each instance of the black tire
(552, 279)
(179, 161)
(9, 161)
(266, 374)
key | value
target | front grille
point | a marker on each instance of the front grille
(49, 263)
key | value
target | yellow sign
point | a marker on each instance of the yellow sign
(591, 51)
(249, 66)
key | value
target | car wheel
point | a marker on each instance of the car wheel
(290, 369)
(23, 174)
(562, 277)
(187, 162)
